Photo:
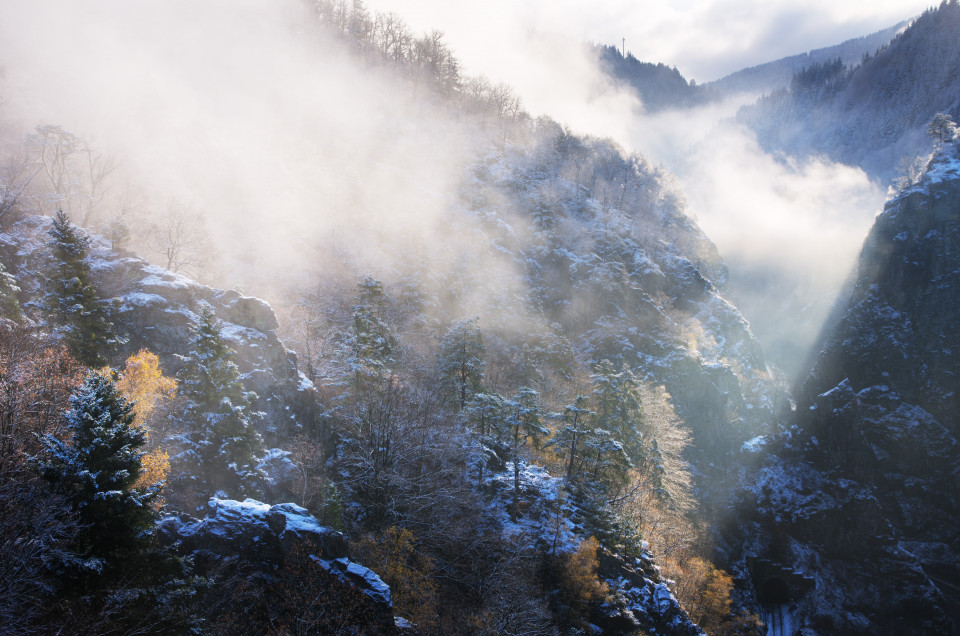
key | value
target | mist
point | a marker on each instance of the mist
(289, 150)
(790, 230)
(302, 161)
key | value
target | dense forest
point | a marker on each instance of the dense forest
(486, 380)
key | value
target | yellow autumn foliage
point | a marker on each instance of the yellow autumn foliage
(703, 591)
(579, 582)
(142, 382)
(408, 573)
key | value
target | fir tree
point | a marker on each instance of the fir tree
(372, 341)
(96, 470)
(461, 361)
(9, 305)
(220, 444)
(87, 329)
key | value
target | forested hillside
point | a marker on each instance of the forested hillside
(312, 332)
(776, 75)
(874, 115)
(658, 86)
(514, 426)
(854, 508)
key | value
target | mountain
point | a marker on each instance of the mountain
(874, 115)
(658, 86)
(776, 75)
(856, 505)
(518, 391)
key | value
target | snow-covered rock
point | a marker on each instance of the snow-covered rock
(156, 309)
(862, 494)
(261, 536)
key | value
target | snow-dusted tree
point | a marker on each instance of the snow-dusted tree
(87, 329)
(219, 443)
(461, 360)
(372, 341)
(489, 414)
(942, 128)
(9, 305)
(96, 470)
(618, 408)
(526, 423)
(574, 427)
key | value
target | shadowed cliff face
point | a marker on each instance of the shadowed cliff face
(863, 491)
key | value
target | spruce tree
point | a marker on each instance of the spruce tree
(9, 305)
(96, 469)
(461, 361)
(87, 329)
(219, 442)
(619, 409)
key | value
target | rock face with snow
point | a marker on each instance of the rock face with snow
(261, 535)
(156, 309)
(863, 494)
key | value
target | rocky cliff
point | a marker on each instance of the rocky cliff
(156, 309)
(861, 495)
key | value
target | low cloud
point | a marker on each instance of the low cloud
(705, 39)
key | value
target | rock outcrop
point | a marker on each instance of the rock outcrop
(862, 493)
(156, 309)
(261, 536)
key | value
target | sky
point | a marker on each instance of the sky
(704, 39)
(219, 107)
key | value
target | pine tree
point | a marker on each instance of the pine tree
(525, 423)
(9, 305)
(87, 328)
(942, 128)
(96, 471)
(489, 414)
(461, 360)
(619, 408)
(219, 444)
(575, 427)
(372, 341)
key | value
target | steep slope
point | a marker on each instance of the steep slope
(659, 86)
(619, 270)
(860, 497)
(873, 115)
(772, 76)
(156, 309)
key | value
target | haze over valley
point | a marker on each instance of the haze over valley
(327, 316)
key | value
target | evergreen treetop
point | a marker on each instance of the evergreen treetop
(219, 444)
(96, 469)
(73, 299)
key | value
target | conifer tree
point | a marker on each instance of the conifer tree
(96, 471)
(219, 444)
(9, 305)
(87, 328)
(461, 360)
(619, 409)
(525, 423)
(489, 413)
(372, 341)
(575, 428)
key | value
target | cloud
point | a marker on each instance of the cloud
(705, 39)
(231, 109)
(290, 150)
